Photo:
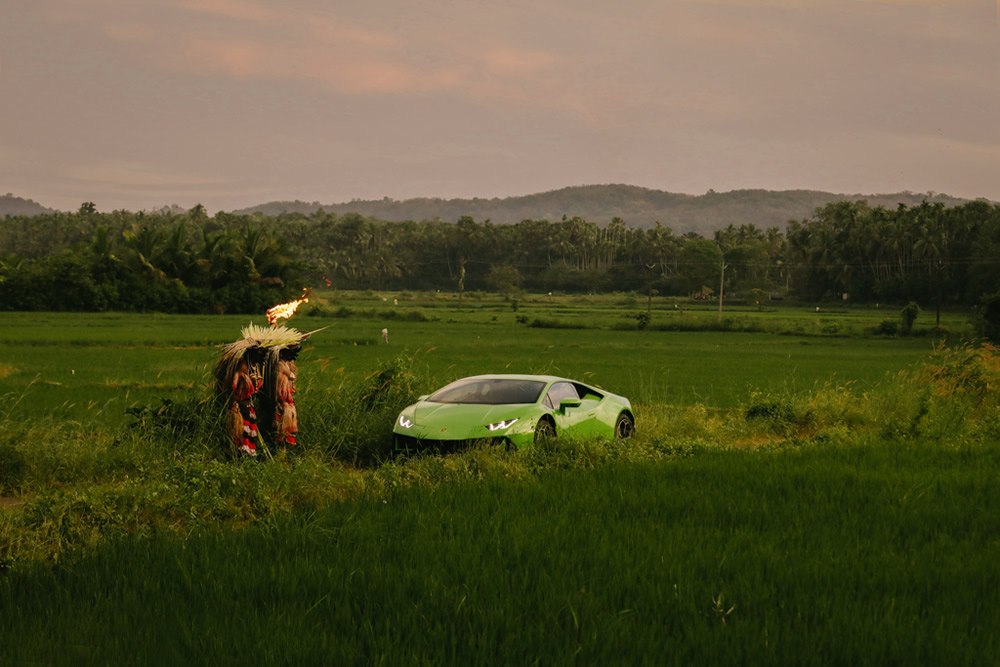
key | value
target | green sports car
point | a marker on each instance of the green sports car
(514, 409)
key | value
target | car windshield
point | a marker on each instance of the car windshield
(489, 391)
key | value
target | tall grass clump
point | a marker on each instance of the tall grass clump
(951, 397)
(353, 421)
(960, 400)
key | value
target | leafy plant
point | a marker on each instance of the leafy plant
(887, 327)
(908, 315)
(986, 318)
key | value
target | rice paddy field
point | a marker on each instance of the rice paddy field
(799, 491)
(90, 367)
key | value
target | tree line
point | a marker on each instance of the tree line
(192, 262)
(123, 261)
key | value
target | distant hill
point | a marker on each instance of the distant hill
(638, 207)
(11, 205)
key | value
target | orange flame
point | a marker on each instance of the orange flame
(285, 310)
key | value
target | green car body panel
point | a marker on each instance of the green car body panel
(509, 408)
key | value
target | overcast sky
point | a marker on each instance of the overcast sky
(230, 103)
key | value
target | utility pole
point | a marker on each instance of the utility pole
(722, 280)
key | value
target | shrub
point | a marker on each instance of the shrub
(539, 323)
(777, 413)
(887, 327)
(986, 318)
(908, 315)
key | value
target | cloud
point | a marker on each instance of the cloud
(322, 26)
(509, 60)
(246, 40)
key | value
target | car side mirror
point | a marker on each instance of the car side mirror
(569, 403)
(423, 398)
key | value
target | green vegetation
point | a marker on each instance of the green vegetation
(847, 253)
(642, 207)
(799, 490)
(132, 262)
(92, 368)
(870, 554)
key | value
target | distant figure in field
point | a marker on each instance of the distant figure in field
(385, 335)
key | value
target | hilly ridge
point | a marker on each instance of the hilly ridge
(637, 206)
(11, 205)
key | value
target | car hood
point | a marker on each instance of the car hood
(464, 414)
(463, 419)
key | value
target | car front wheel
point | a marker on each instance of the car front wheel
(544, 430)
(624, 427)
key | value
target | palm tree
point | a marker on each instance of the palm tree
(144, 246)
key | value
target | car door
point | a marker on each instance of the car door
(590, 423)
(568, 416)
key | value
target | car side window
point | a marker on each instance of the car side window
(588, 393)
(558, 392)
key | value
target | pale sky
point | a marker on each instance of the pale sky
(136, 104)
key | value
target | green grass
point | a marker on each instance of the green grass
(92, 367)
(792, 495)
(877, 555)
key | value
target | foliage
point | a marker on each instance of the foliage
(887, 327)
(856, 553)
(12, 467)
(190, 262)
(166, 466)
(101, 262)
(353, 421)
(986, 318)
(505, 279)
(908, 315)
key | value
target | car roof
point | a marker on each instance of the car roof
(516, 376)
(548, 379)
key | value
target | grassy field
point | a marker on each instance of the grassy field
(825, 555)
(90, 368)
(799, 491)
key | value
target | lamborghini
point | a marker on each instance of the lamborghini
(515, 410)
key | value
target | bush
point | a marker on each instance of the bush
(908, 315)
(777, 414)
(539, 323)
(986, 318)
(887, 328)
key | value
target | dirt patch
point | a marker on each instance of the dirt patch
(10, 502)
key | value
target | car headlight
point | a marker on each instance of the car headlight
(404, 422)
(499, 426)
